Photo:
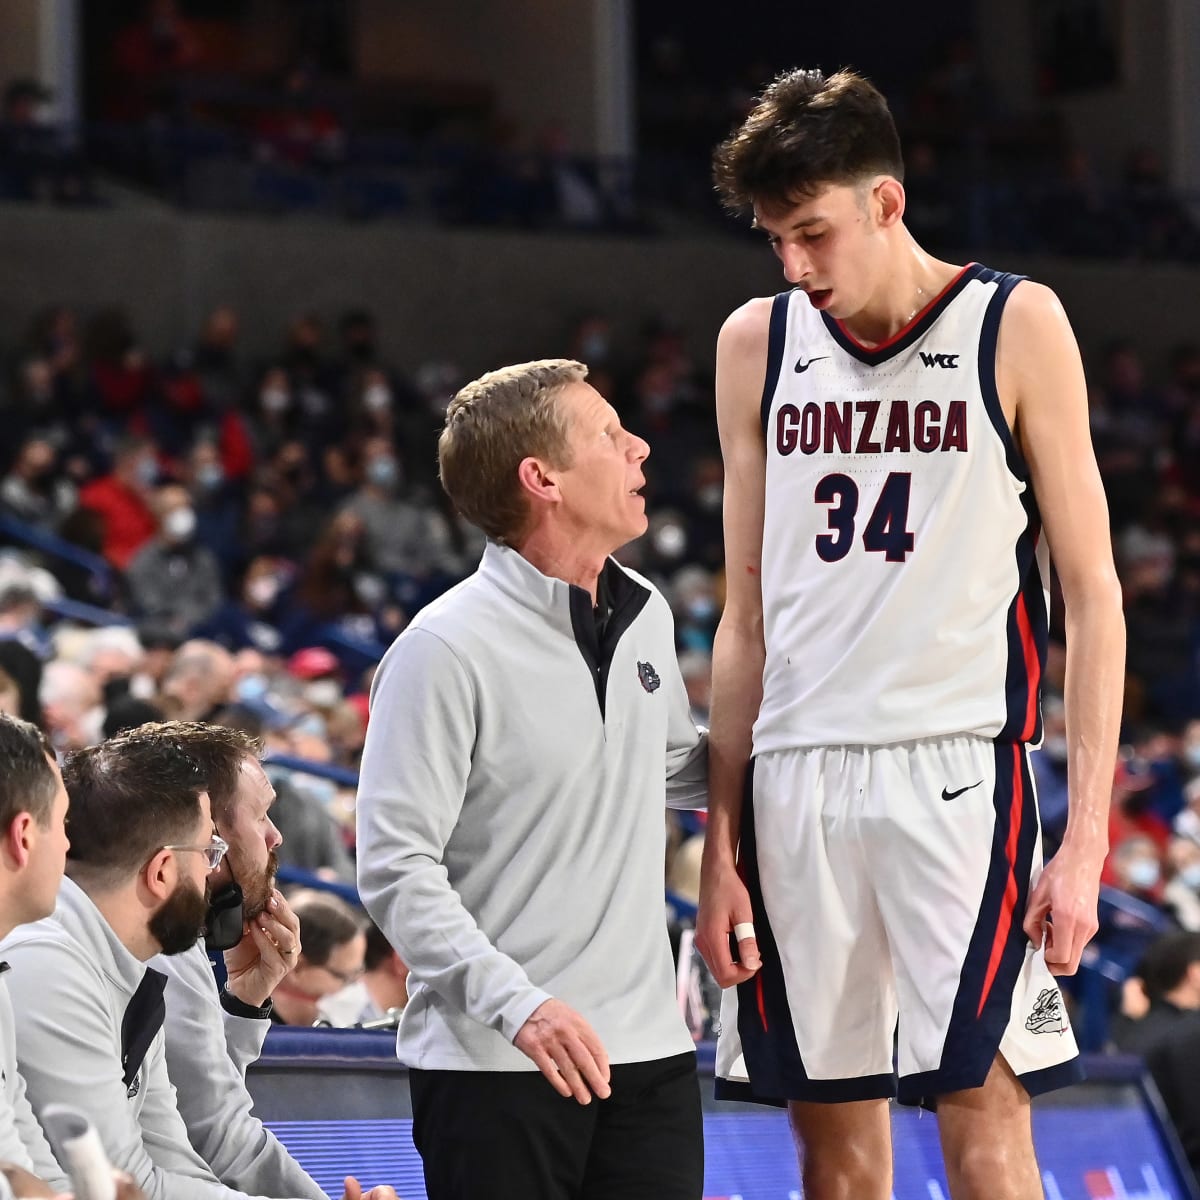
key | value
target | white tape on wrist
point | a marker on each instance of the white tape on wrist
(743, 930)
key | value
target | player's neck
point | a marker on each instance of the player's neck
(910, 282)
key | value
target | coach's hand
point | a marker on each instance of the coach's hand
(566, 1050)
(725, 912)
(1061, 915)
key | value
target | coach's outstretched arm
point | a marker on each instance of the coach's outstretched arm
(1040, 376)
(738, 652)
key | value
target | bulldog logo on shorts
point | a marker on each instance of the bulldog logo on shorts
(648, 676)
(1047, 1015)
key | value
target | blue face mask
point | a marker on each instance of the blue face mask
(210, 476)
(146, 472)
(1144, 873)
(383, 472)
(251, 687)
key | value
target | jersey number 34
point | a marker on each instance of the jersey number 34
(886, 531)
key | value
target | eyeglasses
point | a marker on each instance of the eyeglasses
(345, 977)
(214, 852)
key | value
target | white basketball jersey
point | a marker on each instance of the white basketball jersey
(904, 578)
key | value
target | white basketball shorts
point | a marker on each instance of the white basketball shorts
(889, 887)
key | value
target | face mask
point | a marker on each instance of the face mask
(709, 497)
(142, 686)
(275, 400)
(1144, 873)
(262, 591)
(1191, 876)
(146, 471)
(377, 397)
(210, 476)
(251, 687)
(594, 347)
(323, 693)
(670, 540)
(383, 472)
(223, 925)
(179, 524)
(1191, 756)
(701, 608)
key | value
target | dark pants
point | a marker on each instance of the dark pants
(508, 1135)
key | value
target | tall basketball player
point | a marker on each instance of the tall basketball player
(905, 440)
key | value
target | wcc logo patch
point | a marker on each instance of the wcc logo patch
(648, 677)
(1047, 1015)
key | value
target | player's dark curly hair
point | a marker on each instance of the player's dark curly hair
(806, 131)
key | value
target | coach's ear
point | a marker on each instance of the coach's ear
(889, 201)
(537, 478)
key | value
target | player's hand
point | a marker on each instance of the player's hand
(354, 1191)
(268, 950)
(1061, 915)
(724, 908)
(566, 1050)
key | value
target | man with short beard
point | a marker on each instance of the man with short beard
(89, 1013)
(211, 1037)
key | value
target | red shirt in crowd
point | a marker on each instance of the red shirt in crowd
(128, 522)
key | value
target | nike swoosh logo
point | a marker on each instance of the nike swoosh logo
(802, 366)
(955, 795)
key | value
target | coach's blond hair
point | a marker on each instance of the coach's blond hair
(494, 423)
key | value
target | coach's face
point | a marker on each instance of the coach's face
(600, 492)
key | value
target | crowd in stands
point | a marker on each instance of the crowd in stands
(262, 531)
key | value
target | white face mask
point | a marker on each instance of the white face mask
(179, 524)
(323, 693)
(377, 397)
(1190, 875)
(275, 400)
(262, 590)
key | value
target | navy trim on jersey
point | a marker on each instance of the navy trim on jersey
(776, 338)
(873, 356)
(1060, 1075)
(1027, 630)
(988, 336)
(764, 1018)
(974, 1033)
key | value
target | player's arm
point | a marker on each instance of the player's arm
(738, 652)
(1039, 370)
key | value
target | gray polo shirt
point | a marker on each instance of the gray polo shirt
(511, 832)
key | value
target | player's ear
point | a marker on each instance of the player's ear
(889, 201)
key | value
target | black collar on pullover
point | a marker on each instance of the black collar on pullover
(144, 1017)
(619, 599)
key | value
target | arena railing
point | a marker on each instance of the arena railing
(100, 572)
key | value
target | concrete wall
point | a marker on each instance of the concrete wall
(479, 298)
(1108, 122)
(538, 55)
